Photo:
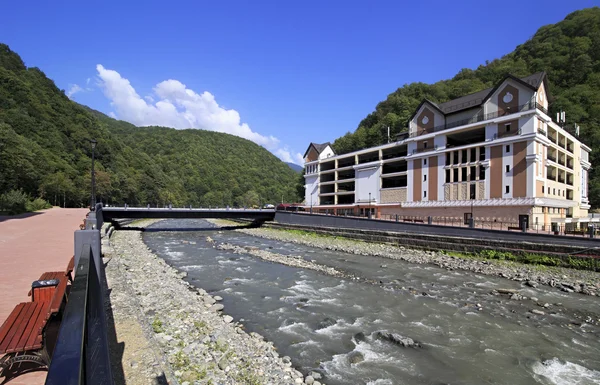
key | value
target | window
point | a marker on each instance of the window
(448, 176)
(507, 189)
(564, 192)
(424, 144)
(472, 191)
(481, 173)
(473, 173)
(543, 188)
(447, 159)
(507, 126)
(463, 174)
(424, 194)
(455, 175)
(507, 168)
(473, 155)
(508, 148)
(424, 178)
(425, 162)
(464, 156)
(455, 157)
(553, 191)
(481, 153)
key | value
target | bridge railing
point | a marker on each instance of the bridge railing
(81, 355)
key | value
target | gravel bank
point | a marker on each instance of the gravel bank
(199, 343)
(568, 280)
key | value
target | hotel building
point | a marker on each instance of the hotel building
(496, 155)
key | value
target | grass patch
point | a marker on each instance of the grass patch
(540, 260)
(157, 326)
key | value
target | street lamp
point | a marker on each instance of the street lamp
(369, 205)
(93, 142)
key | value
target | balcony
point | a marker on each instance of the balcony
(482, 117)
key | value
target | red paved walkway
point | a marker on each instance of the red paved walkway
(30, 245)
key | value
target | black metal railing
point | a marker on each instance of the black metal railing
(81, 354)
(480, 117)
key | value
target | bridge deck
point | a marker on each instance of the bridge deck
(110, 213)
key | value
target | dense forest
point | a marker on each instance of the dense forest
(568, 51)
(45, 152)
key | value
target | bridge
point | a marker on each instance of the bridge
(112, 213)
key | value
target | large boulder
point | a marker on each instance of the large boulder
(355, 357)
(397, 339)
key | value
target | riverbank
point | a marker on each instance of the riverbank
(565, 279)
(194, 341)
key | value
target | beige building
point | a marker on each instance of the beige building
(496, 155)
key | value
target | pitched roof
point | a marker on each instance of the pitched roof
(318, 147)
(477, 98)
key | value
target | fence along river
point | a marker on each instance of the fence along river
(337, 326)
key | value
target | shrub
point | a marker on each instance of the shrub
(14, 202)
(37, 204)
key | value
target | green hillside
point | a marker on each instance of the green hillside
(44, 151)
(568, 51)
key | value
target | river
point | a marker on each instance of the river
(468, 335)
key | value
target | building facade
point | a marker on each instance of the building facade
(495, 155)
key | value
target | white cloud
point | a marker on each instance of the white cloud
(87, 81)
(287, 156)
(177, 106)
(73, 89)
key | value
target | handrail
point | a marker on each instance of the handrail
(81, 354)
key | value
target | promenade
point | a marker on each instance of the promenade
(31, 244)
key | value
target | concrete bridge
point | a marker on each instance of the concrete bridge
(104, 214)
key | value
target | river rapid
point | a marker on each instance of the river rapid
(333, 325)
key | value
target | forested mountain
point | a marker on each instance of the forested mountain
(295, 166)
(568, 51)
(45, 151)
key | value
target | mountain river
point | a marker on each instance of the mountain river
(467, 335)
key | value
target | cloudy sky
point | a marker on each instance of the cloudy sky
(282, 74)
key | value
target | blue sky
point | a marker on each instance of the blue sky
(281, 73)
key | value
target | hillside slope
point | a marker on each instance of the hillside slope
(45, 151)
(568, 51)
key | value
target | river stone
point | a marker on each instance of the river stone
(228, 319)
(398, 339)
(507, 291)
(328, 321)
(538, 312)
(358, 337)
(309, 380)
(217, 307)
(315, 375)
(531, 284)
(355, 357)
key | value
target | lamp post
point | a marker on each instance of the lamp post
(93, 142)
(369, 205)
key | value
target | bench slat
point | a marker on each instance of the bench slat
(59, 294)
(18, 327)
(37, 330)
(31, 329)
(10, 321)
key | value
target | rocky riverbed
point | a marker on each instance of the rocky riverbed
(567, 280)
(198, 342)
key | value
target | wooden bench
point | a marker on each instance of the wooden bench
(22, 335)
